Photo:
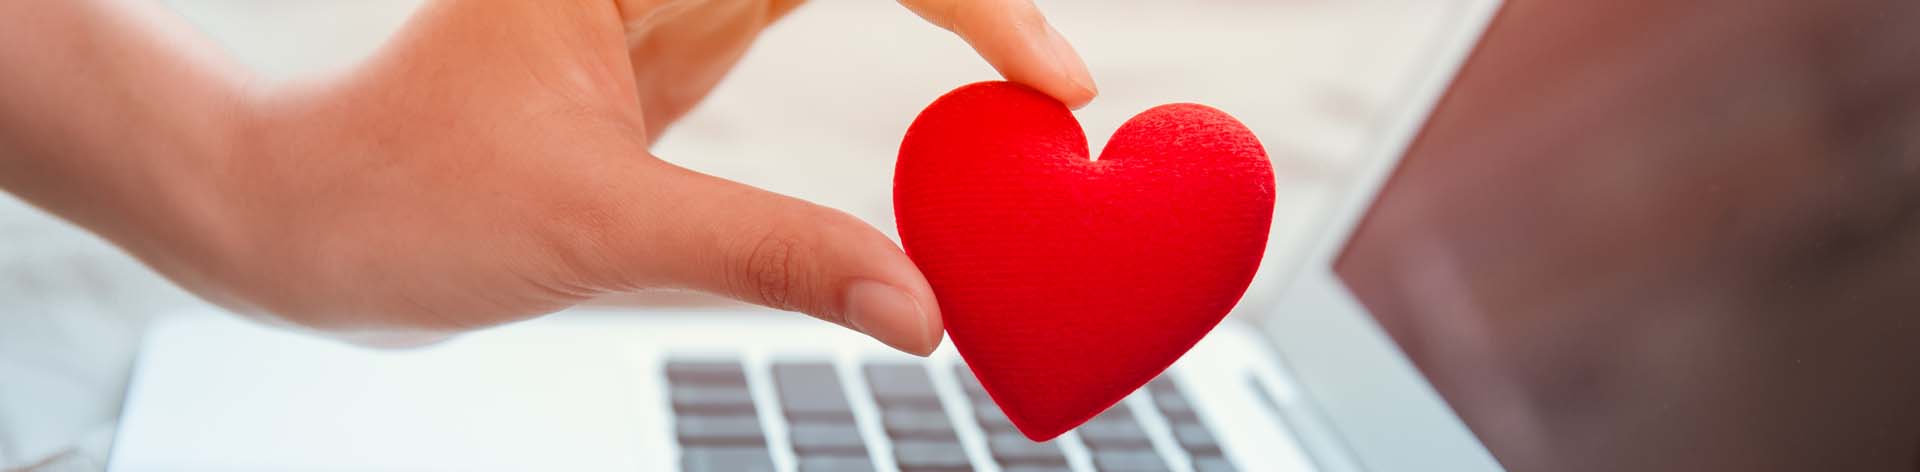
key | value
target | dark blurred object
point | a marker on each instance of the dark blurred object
(1648, 235)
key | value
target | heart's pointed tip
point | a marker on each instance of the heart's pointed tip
(1042, 433)
(1043, 428)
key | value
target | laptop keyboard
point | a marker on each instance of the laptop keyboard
(906, 421)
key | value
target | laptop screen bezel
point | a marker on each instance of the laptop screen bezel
(1375, 407)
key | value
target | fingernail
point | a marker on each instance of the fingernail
(891, 316)
(1070, 64)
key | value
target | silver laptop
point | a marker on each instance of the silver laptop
(1301, 378)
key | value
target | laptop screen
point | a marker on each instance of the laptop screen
(1647, 235)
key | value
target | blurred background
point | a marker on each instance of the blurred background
(816, 110)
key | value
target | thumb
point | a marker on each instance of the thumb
(696, 231)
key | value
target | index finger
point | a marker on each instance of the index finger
(1016, 40)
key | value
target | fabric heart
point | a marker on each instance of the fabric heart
(1066, 282)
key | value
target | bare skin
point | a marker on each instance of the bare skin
(489, 164)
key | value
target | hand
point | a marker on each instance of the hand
(681, 48)
(491, 164)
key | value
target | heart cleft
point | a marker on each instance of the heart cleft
(1066, 282)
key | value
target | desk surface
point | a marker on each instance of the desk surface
(1307, 76)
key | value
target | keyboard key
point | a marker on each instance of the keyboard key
(990, 417)
(706, 372)
(1113, 435)
(1129, 460)
(712, 399)
(1012, 448)
(1212, 464)
(1118, 413)
(1174, 405)
(1195, 438)
(916, 423)
(729, 459)
(901, 384)
(1161, 384)
(708, 430)
(811, 391)
(858, 463)
(1035, 468)
(803, 374)
(969, 383)
(930, 456)
(828, 438)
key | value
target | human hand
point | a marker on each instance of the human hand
(491, 164)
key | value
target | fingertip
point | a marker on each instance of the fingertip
(934, 329)
(1075, 95)
(1018, 41)
(1077, 87)
(893, 317)
(1076, 98)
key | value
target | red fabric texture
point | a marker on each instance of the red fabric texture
(1067, 283)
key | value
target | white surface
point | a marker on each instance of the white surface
(1307, 76)
(71, 311)
(1380, 408)
(577, 391)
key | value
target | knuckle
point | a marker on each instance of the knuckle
(768, 271)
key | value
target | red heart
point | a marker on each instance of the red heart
(1067, 283)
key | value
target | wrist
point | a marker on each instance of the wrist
(163, 185)
(116, 117)
(191, 208)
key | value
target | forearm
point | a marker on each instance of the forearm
(111, 113)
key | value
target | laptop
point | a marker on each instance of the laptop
(1300, 378)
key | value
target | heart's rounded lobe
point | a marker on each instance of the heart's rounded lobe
(1066, 282)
